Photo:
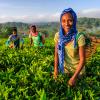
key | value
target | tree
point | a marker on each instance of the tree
(5, 31)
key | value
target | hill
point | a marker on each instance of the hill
(89, 25)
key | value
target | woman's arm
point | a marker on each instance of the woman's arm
(8, 41)
(43, 41)
(56, 61)
(79, 67)
(31, 41)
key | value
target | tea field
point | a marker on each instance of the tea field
(27, 74)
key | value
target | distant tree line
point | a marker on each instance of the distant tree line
(50, 28)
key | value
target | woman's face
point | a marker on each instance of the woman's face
(14, 32)
(33, 29)
(67, 22)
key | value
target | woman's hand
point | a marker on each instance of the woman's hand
(72, 81)
(11, 46)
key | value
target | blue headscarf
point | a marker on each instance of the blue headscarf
(66, 38)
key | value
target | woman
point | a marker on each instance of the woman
(14, 40)
(69, 57)
(36, 37)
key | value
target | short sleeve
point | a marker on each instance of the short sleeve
(81, 40)
(40, 34)
(56, 38)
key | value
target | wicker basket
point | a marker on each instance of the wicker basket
(91, 49)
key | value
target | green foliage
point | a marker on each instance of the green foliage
(6, 28)
(89, 22)
(5, 31)
(27, 74)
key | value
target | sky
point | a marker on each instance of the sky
(30, 11)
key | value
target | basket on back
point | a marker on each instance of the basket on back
(90, 50)
(90, 45)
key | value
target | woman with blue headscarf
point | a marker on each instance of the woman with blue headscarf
(69, 57)
(14, 40)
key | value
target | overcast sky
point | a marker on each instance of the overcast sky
(45, 10)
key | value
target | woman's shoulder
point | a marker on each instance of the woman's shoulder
(57, 34)
(56, 37)
(81, 39)
(80, 35)
(11, 35)
(39, 33)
